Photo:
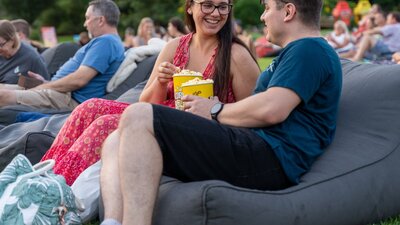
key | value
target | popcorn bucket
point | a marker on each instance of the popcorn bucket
(178, 80)
(204, 88)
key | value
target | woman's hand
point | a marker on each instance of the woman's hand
(165, 72)
(198, 105)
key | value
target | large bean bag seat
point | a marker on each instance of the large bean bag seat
(356, 181)
(56, 56)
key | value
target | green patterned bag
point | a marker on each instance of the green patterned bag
(35, 195)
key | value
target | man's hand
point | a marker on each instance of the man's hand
(396, 57)
(36, 76)
(198, 105)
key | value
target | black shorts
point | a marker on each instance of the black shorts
(196, 149)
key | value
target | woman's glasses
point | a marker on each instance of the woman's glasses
(208, 7)
(4, 43)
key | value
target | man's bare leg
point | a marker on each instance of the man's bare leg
(140, 164)
(109, 178)
(367, 42)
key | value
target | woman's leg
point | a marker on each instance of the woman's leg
(85, 151)
(78, 121)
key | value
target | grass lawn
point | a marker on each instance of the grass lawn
(264, 62)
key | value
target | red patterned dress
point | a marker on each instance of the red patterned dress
(78, 144)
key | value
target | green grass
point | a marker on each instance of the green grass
(264, 62)
(391, 221)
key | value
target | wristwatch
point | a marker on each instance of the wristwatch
(215, 110)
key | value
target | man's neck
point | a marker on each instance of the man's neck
(299, 32)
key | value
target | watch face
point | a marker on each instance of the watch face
(216, 108)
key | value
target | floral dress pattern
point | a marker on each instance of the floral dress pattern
(78, 144)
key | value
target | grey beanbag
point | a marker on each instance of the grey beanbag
(355, 182)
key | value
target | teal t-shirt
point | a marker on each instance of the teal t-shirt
(103, 54)
(312, 69)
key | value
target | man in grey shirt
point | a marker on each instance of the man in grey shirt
(16, 57)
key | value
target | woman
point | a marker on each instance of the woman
(176, 28)
(340, 38)
(145, 32)
(78, 144)
(17, 58)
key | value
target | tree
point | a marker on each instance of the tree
(132, 11)
(248, 11)
(66, 15)
(28, 10)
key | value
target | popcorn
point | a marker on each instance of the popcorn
(196, 81)
(186, 72)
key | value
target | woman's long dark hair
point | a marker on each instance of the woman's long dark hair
(222, 63)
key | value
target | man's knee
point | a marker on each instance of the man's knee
(139, 115)
(7, 97)
(108, 152)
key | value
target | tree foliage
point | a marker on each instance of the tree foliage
(248, 11)
(132, 11)
(68, 15)
(26, 9)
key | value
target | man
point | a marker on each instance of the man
(16, 57)
(266, 141)
(86, 74)
(373, 48)
(24, 30)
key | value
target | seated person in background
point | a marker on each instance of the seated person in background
(266, 141)
(264, 48)
(339, 38)
(396, 57)
(363, 24)
(85, 75)
(246, 38)
(129, 38)
(376, 20)
(371, 48)
(176, 28)
(78, 143)
(24, 30)
(145, 32)
(16, 57)
(83, 38)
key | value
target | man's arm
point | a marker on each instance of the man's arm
(71, 82)
(376, 30)
(264, 109)
(267, 108)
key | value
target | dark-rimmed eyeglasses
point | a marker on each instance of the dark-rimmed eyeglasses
(208, 7)
(4, 43)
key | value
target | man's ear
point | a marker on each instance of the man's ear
(290, 10)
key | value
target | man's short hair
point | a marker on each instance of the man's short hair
(22, 25)
(309, 11)
(108, 9)
(396, 16)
